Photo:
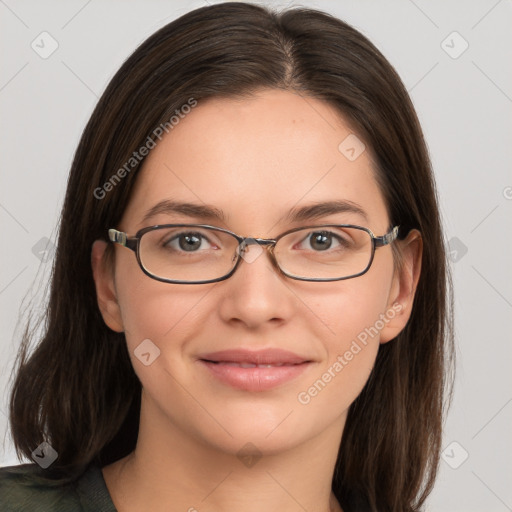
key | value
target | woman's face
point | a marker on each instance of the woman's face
(256, 160)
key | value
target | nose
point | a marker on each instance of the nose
(258, 246)
(256, 293)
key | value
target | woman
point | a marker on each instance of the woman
(248, 306)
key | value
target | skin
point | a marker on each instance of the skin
(255, 159)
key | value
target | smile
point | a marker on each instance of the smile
(254, 377)
(250, 365)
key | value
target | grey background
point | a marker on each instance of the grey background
(464, 103)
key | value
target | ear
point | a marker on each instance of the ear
(106, 294)
(403, 289)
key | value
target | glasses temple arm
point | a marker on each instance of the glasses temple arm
(119, 237)
(387, 238)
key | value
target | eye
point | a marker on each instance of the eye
(189, 241)
(323, 240)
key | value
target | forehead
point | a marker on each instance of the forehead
(258, 157)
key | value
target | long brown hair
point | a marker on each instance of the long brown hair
(77, 389)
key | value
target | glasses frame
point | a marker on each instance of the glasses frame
(133, 243)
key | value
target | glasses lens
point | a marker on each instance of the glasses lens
(191, 253)
(324, 252)
(187, 253)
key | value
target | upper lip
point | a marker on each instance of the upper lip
(266, 356)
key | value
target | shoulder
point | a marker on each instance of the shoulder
(24, 488)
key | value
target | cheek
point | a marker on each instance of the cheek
(151, 309)
(339, 380)
(159, 311)
(355, 315)
(332, 391)
(349, 309)
(159, 319)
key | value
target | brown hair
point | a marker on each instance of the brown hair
(77, 389)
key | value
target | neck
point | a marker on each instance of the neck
(171, 470)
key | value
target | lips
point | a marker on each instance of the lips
(254, 370)
(267, 357)
(250, 365)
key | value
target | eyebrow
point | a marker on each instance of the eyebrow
(296, 214)
(323, 209)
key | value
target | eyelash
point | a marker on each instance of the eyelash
(342, 242)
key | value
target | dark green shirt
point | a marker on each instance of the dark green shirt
(22, 491)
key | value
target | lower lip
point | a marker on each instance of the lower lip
(254, 379)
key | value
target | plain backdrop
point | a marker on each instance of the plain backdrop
(454, 58)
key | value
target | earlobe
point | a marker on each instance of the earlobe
(105, 290)
(404, 286)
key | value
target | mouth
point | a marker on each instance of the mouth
(254, 371)
(251, 365)
(265, 357)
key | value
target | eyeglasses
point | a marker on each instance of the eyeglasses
(199, 253)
